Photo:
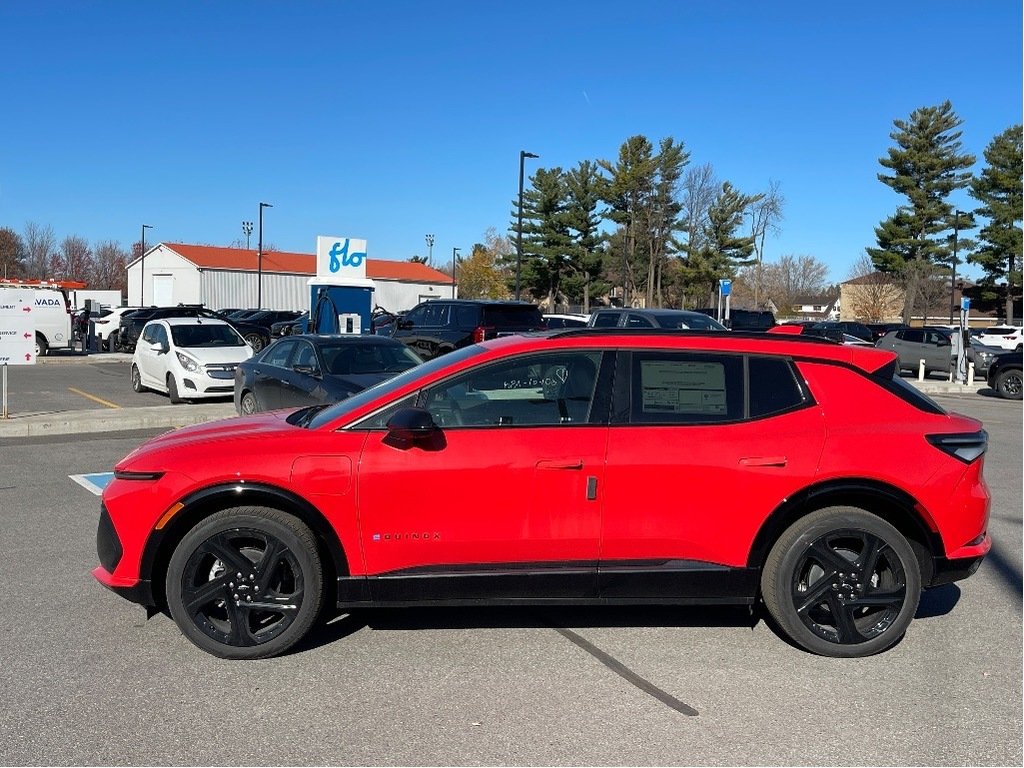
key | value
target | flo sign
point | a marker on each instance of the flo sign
(340, 259)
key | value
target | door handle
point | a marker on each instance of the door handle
(763, 461)
(560, 464)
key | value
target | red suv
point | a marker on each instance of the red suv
(583, 466)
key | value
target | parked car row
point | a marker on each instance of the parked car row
(309, 369)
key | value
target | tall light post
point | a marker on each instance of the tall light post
(952, 280)
(455, 260)
(519, 226)
(142, 287)
(430, 249)
(259, 261)
(247, 230)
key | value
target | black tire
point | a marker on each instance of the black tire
(172, 389)
(249, 405)
(255, 341)
(842, 582)
(42, 348)
(229, 599)
(1008, 384)
(137, 380)
(112, 342)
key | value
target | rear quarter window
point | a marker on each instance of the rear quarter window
(773, 387)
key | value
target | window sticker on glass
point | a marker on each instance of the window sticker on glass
(682, 387)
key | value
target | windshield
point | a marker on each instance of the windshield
(358, 400)
(206, 335)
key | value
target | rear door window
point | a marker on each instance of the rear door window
(686, 388)
(606, 319)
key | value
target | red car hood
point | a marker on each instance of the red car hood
(258, 426)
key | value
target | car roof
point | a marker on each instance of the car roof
(867, 358)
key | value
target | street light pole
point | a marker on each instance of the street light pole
(455, 260)
(259, 261)
(430, 249)
(519, 226)
(142, 287)
(952, 280)
(247, 230)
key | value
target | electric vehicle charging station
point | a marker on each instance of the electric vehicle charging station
(340, 296)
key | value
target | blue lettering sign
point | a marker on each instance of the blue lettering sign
(340, 257)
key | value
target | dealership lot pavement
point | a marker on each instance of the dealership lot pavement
(86, 679)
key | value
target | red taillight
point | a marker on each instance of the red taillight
(480, 333)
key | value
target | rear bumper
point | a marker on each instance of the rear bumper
(960, 564)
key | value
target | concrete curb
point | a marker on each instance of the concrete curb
(113, 420)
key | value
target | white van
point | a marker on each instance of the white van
(52, 313)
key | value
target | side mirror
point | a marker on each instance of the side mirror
(404, 325)
(411, 424)
(159, 347)
(306, 370)
(944, 341)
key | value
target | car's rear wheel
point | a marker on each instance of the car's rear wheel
(172, 389)
(112, 342)
(1008, 384)
(249, 404)
(137, 379)
(842, 582)
(246, 583)
(255, 341)
(41, 346)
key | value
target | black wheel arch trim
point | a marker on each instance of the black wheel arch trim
(892, 504)
(206, 501)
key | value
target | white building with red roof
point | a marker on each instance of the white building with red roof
(179, 273)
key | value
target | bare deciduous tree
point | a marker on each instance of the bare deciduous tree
(108, 270)
(871, 296)
(40, 245)
(73, 260)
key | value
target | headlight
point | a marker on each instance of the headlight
(188, 363)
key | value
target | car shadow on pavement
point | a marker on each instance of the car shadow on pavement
(938, 601)
(342, 624)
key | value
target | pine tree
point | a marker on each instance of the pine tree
(583, 185)
(547, 243)
(999, 189)
(927, 165)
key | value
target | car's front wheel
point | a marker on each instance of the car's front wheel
(842, 582)
(246, 583)
(172, 389)
(1009, 385)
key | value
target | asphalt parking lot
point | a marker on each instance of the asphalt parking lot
(87, 679)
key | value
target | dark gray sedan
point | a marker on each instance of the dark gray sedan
(297, 371)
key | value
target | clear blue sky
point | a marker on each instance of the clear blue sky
(389, 120)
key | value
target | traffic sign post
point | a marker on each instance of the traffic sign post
(17, 333)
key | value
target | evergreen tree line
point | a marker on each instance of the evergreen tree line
(642, 227)
(674, 233)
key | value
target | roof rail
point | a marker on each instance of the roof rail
(711, 334)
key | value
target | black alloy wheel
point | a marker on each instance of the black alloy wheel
(246, 583)
(1008, 384)
(842, 582)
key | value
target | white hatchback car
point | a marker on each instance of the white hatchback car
(188, 358)
(1004, 336)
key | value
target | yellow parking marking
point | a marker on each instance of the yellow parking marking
(99, 400)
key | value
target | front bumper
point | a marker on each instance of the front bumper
(139, 591)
